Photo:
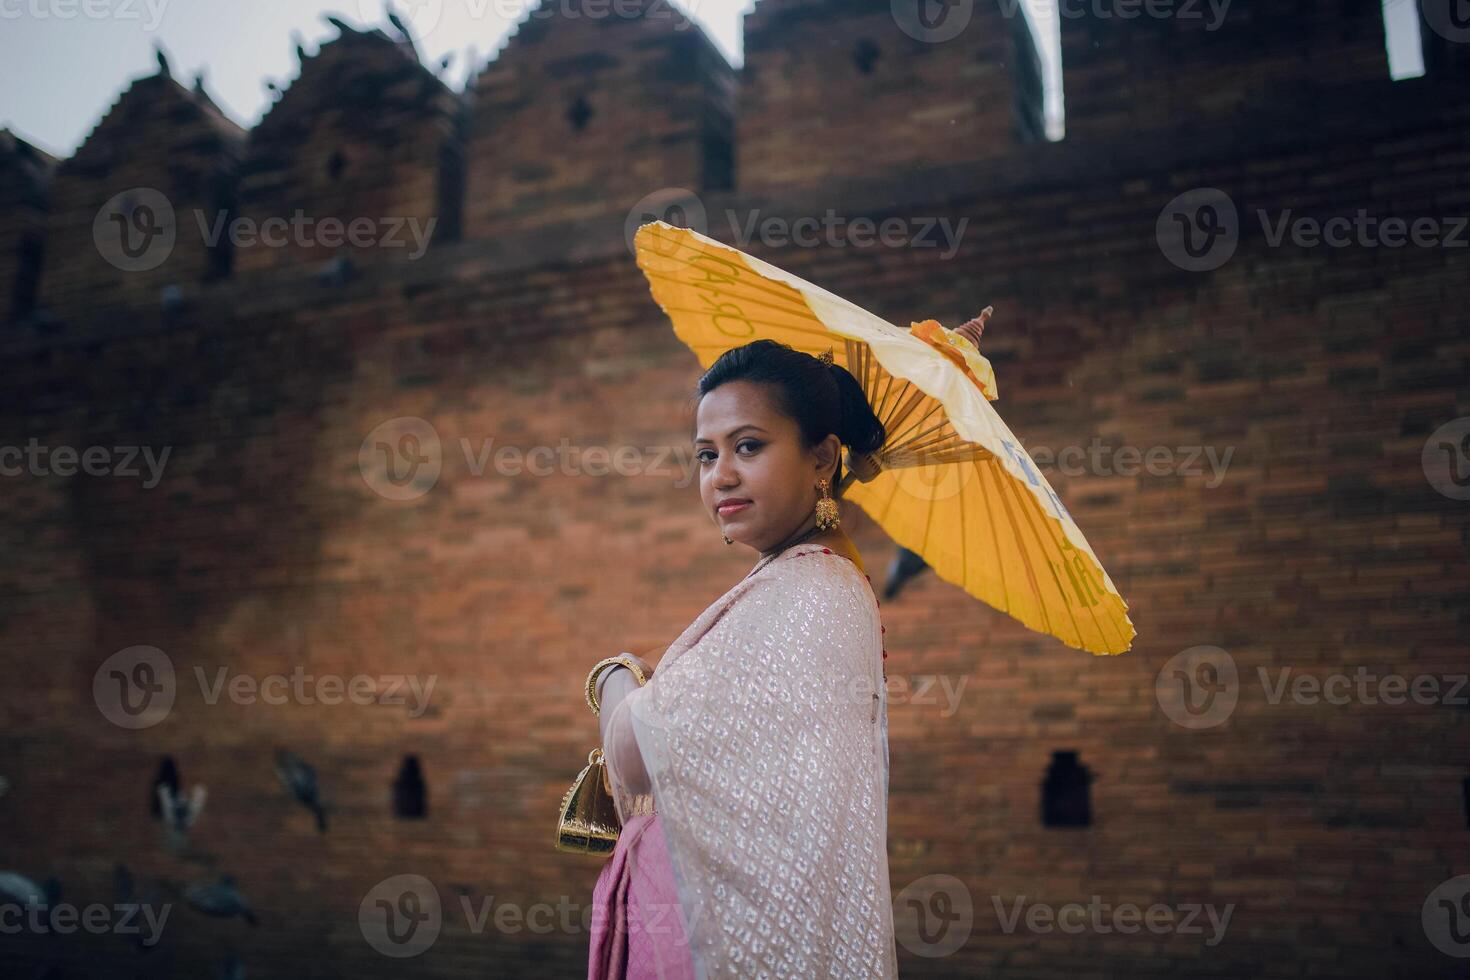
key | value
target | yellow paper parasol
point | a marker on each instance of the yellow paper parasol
(951, 481)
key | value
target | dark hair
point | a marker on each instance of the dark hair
(821, 399)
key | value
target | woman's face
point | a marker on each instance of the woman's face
(748, 451)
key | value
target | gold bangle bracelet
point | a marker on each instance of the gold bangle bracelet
(605, 664)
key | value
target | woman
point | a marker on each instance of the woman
(751, 772)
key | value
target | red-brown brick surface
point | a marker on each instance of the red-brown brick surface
(1316, 374)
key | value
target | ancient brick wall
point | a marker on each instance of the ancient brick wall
(963, 87)
(1290, 522)
(583, 108)
(25, 182)
(364, 131)
(161, 154)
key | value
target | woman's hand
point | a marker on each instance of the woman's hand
(618, 742)
(972, 330)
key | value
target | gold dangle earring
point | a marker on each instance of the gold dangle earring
(827, 517)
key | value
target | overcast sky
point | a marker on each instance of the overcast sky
(66, 61)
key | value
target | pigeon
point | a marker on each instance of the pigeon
(336, 272)
(398, 24)
(905, 565)
(180, 812)
(221, 900)
(155, 893)
(172, 302)
(300, 779)
(168, 775)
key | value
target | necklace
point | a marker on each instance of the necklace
(810, 533)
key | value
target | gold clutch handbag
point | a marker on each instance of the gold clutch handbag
(589, 821)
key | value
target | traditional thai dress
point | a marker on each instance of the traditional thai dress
(762, 850)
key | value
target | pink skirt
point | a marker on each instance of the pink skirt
(638, 928)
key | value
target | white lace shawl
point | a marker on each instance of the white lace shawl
(764, 732)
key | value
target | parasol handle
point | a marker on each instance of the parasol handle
(862, 466)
